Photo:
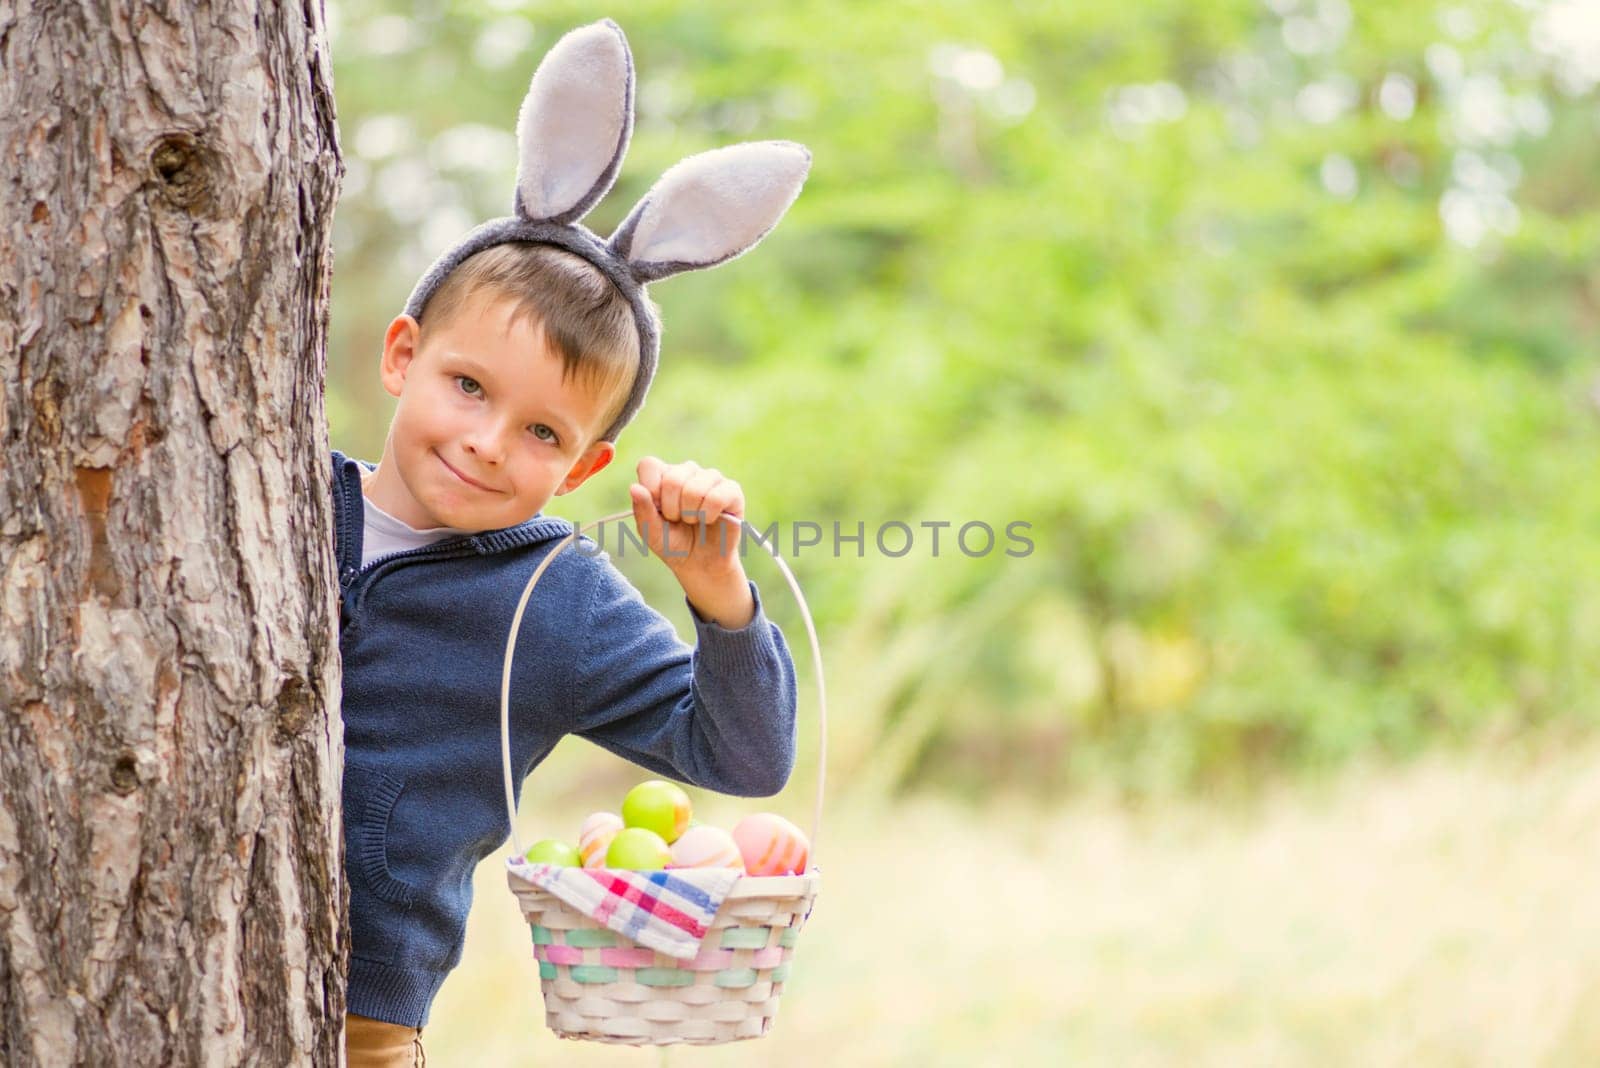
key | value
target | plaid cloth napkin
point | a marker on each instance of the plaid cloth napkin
(668, 911)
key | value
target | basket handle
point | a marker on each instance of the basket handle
(516, 625)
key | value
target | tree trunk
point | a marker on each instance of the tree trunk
(171, 885)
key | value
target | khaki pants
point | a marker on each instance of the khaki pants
(370, 1043)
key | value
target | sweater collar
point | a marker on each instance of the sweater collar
(350, 515)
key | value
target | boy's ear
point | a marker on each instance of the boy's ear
(594, 460)
(399, 349)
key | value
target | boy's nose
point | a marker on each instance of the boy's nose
(487, 444)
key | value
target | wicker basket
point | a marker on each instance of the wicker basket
(600, 986)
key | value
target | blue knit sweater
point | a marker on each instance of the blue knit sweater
(422, 635)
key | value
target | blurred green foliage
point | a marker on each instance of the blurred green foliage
(1276, 321)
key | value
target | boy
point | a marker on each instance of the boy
(521, 355)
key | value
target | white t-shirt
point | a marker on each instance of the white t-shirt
(383, 534)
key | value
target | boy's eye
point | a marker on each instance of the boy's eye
(544, 433)
(469, 386)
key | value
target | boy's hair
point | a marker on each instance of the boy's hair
(572, 132)
(586, 319)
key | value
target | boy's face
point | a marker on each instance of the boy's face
(486, 431)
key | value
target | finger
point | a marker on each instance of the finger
(671, 496)
(695, 490)
(725, 498)
(646, 518)
(724, 532)
(649, 472)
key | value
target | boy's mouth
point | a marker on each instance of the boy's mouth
(469, 481)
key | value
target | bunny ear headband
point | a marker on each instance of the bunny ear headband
(571, 135)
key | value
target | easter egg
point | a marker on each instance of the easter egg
(657, 806)
(595, 837)
(704, 846)
(553, 851)
(771, 845)
(638, 849)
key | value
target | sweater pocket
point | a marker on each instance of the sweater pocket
(379, 902)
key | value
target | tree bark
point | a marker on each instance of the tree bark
(171, 884)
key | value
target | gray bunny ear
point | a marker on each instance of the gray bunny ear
(711, 207)
(574, 124)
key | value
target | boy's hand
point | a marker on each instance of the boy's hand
(678, 509)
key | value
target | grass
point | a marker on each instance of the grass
(1442, 914)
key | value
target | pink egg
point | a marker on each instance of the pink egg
(771, 845)
(595, 837)
(704, 846)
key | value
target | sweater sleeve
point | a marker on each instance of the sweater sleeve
(720, 716)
